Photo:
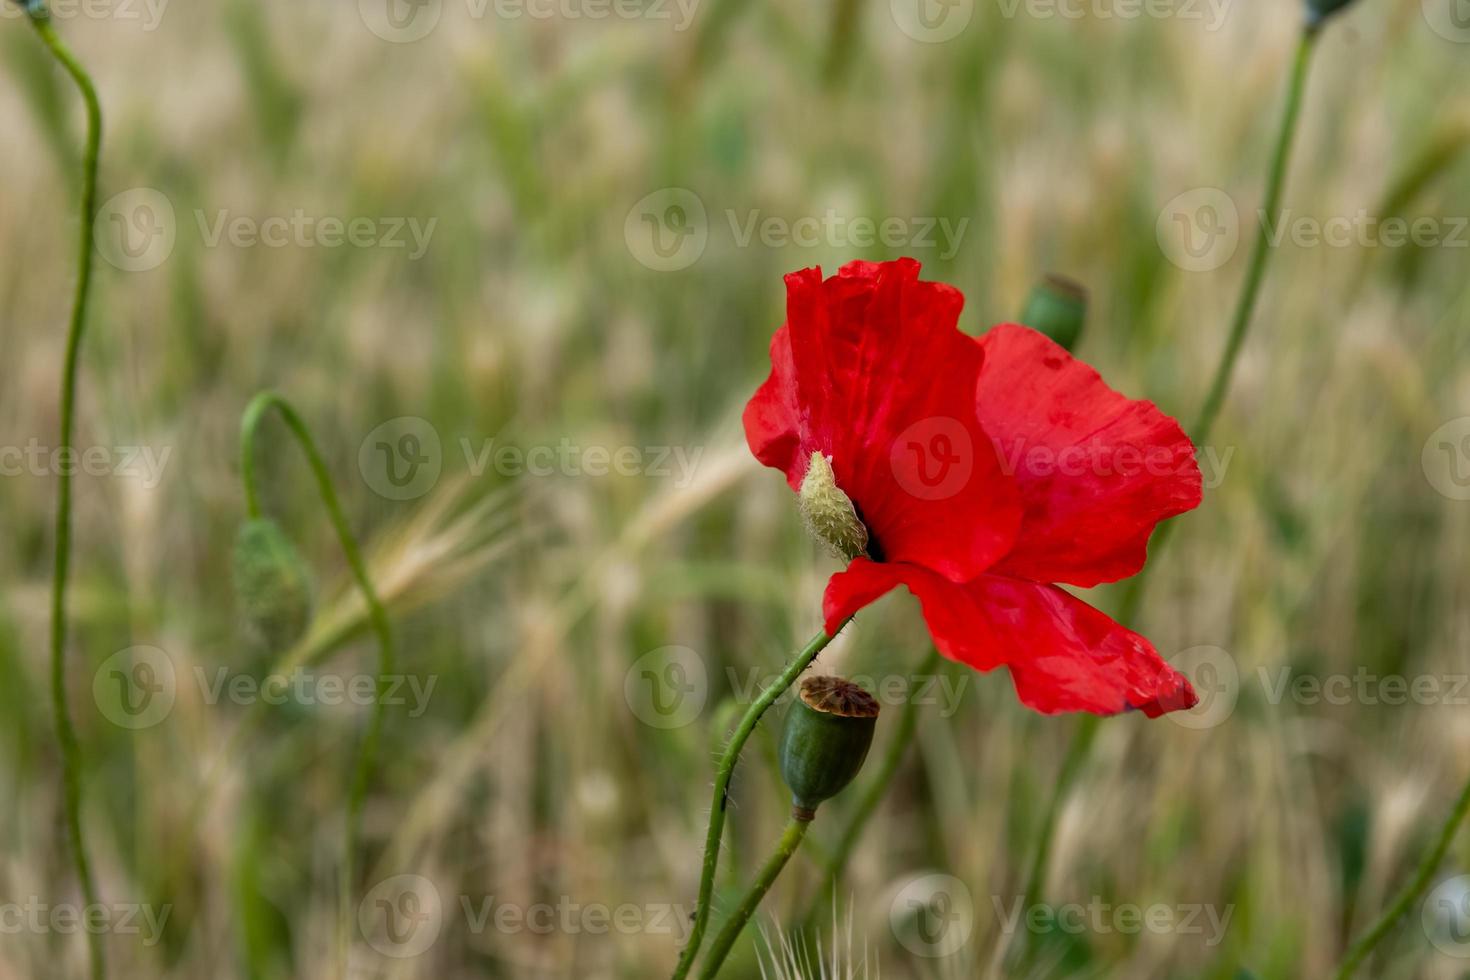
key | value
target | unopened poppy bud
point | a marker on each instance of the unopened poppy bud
(828, 512)
(1319, 10)
(272, 583)
(828, 732)
(1057, 307)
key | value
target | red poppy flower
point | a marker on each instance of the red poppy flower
(983, 472)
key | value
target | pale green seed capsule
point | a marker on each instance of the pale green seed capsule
(828, 512)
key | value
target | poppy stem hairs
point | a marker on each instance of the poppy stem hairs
(721, 800)
(377, 617)
(71, 762)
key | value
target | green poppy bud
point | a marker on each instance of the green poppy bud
(1057, 307)
(1319, 10)
(828, 732)
(272, 583)
(828, 512)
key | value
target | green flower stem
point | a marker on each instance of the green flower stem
(1411, 893)
(1261, 252)
(71, 762)
(723, 775)
(377, 615)
(785, 847)
(836, 863)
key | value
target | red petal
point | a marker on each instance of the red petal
(956, 621)
(1096, 470)
(1063, 654)
(873, 371)
(772, 418)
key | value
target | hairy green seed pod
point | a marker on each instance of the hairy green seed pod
(828, 732)
(1057, 307)
(272, 583)
(828, 512)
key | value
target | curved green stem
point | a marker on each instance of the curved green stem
(1261, 251)
(66, 736)
(723, 775)
(785, 847)
(377, 614)
(1245, 307)
(877, 787)
(1412, 892)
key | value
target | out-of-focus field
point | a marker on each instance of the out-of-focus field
(604, 208)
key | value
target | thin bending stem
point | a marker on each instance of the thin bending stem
(71, 762)
(1240, 323)
(1412, 892)
(377, 614)
(723, 775)
(785, 847)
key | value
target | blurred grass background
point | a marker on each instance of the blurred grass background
(532, 319)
